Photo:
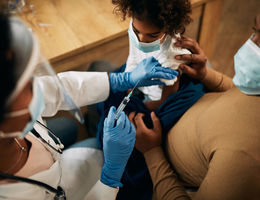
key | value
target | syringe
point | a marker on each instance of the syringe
(123, 104)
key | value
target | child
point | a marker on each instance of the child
(152, 31)
(150, 36)
(162, 49)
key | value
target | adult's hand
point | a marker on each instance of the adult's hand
(197, 68)
(147, 72)
(118, 144)
(146, 139)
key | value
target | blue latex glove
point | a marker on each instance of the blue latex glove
(118, 144)
(148, 71)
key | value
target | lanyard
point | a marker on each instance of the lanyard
(58, 147)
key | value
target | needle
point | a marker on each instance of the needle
(124, 102)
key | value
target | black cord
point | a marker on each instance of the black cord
(58, 192)
(36, 134)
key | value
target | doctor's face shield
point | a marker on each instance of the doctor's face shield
(31, 66)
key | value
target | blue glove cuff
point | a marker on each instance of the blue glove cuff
(108, 180)
(120, 82)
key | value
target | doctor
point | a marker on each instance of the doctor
(31, 163)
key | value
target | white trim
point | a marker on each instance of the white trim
(10, 135)
(17, 113)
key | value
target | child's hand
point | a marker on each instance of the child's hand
(146, 139)
(197, 68)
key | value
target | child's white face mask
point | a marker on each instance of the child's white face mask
(144, 47)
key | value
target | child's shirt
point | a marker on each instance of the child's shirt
(165, 56)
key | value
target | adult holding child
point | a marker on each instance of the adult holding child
(214, 147)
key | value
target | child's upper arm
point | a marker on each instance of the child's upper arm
(168, 90)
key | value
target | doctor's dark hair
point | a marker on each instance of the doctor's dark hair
(7, 82)
(172, 15)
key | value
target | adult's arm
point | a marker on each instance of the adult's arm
(118, 143)
(215, 81)
(197, 69)
(84, 88)
(165, 182)
(148, 141)
(231, 175)
(87, 88)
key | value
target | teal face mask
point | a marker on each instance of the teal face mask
(144, 47)
(247, 68)
(36, 108)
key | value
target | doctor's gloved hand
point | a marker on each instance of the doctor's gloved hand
(148, 72)
(118, 144)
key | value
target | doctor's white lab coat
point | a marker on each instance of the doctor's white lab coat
(77, 170)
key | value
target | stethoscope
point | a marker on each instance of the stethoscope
(59, 192)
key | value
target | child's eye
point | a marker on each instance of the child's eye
(153, 36)
(136, 31)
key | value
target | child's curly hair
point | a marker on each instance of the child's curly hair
(172, 15)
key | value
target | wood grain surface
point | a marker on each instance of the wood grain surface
(72, 33)
(64, 26)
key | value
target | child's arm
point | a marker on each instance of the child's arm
(166, 92)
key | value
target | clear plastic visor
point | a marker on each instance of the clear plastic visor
(40, 72)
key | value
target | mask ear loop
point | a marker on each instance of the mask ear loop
(251, 36)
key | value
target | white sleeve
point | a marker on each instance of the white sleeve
(84, 88)
(101, 191)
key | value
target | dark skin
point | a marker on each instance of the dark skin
(256, 37)
(10, 150)
(147, 32)
(146, 139)
(197, 69)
